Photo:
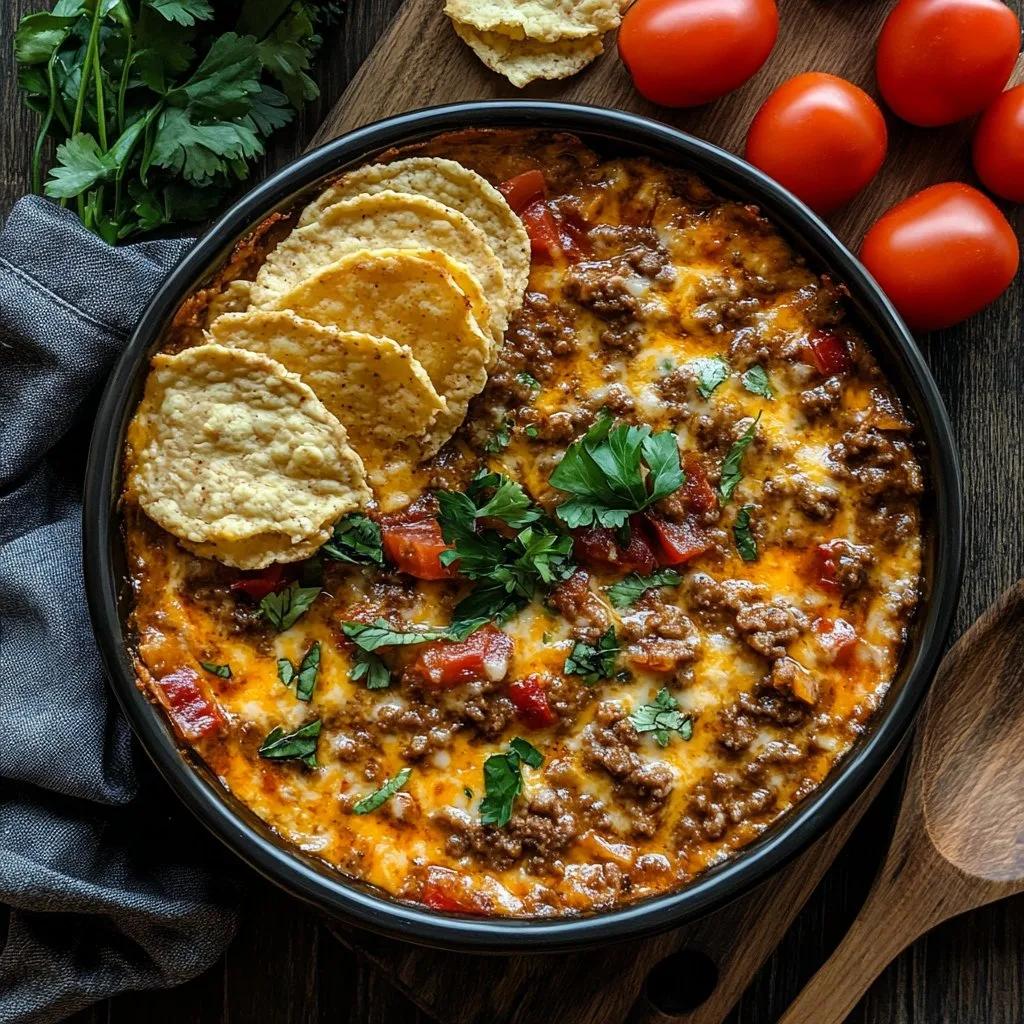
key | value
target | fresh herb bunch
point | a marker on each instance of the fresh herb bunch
(157, 107)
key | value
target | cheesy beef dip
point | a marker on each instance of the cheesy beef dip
(538, 599)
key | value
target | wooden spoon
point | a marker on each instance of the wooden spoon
(959, 839)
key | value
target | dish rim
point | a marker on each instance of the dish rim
(350, 899)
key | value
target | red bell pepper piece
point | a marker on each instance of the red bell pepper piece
(530, 700)
(600, 549)
(415, 547)
(697, 491)
(830, 353)
(483, 655)
(191, 710)
(266, 581)
(825, 568)
(572, 235)
(676, 543)
(545, 244)
(523, 189)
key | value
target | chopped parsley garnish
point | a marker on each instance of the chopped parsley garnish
(503, 780)
(604, 473)
(755, 380)
(283, 609)
(224, 671)
(382, 634)
(594, 663)
(528, 380)
(666, 365)
(711, 371)
(382, 795)
(732, 464)
(661, 718)
(746, 543)
(632, 588)
(508, 569)
(532, 431)
(370, 667)
(357, 540)
(285, 671)
(299, 745)
(500, 439)
(308, 672)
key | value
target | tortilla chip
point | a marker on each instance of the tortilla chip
(236, 456)
(453, 185)
(547, 21)
(387, 220)
(375, 387)
(523, 61)
(233, 299)
(394, 294)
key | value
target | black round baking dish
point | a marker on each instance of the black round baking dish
(361, 904)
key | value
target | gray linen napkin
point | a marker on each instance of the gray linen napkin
(108, 891)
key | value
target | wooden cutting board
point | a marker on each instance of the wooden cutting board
(420, 63)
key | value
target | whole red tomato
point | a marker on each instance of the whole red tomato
(682, 53)
(940, 61)
(942, 254)
(998, 148)
(821, 137)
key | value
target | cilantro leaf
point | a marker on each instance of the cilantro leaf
(81, 165)
(299, 745)
(661, 718)
(371, 668)
(755, 380)
(382, 795)
(503, 781)
(285, 671)
(746, 543)
(383, 634)
(224, 671)
(528, 381)
(711, 371)
(308, 672)
(594, 663)
(500, 439)
(603, 472)
(284, 608)
(184, 12)
(732, 464)
(628, 591)
(357, 540)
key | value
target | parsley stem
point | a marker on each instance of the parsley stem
(83, 86)
(44, 127)
(101, 124)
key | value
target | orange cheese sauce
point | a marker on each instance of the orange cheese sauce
(611, 815)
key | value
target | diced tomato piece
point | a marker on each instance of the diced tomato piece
(447, 890)
(830, 353)
(191, 710)
(676, 543)
(540, 225)
(837, 637)
(523, 189)
(415, 546)
(258, 585)
(824, 567)
(697, 491)
(483, 655)
(600, 549)
(530, 700)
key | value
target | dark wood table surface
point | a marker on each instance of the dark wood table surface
(285, 967)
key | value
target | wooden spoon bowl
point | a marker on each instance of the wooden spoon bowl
(959, 839)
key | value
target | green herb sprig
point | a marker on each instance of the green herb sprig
(299, 745)
(628, 591)
(732, 464)
(285, 607)
(503, 780)
(594, 662)
(356, 540)
(662, 718)
(381, 796)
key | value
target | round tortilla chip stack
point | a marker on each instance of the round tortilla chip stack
(529, 39)
(375, 387)
(239, 459)
(395, 294)
(457, 187)
(386, 220)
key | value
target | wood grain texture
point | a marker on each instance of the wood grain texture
(286, 967)
(957, 843)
